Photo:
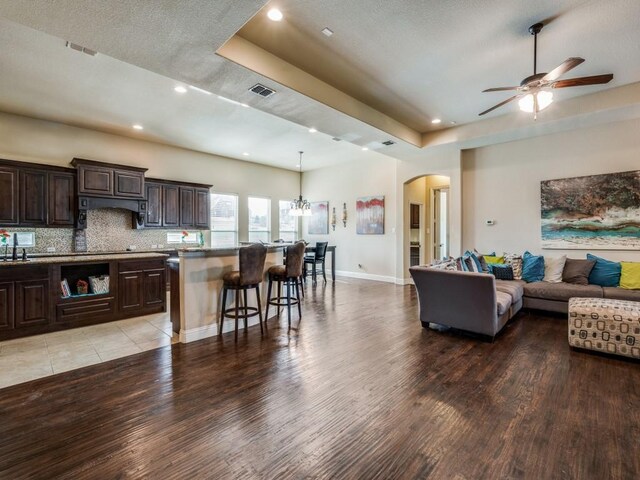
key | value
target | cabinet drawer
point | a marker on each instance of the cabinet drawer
(139, 265)
(84, 309)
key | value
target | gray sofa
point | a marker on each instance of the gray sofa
(472, 302)
(478, 303)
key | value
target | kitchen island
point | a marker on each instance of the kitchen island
(199, 288)
(33, 301)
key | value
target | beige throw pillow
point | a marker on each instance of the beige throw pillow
(553, 268)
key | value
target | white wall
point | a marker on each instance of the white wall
(502, 183)
(376, 254)
(27, 139)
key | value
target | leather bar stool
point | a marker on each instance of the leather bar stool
(318, 258)
(249, 276)
(288, 274)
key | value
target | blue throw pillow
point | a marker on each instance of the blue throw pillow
(605, 272)
(475, 259)
(532, 267)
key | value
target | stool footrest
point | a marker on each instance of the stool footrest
(243, 312)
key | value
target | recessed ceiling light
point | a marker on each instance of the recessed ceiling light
(312, 130)
(327, 31)
(199, 90)
(246, 154)
(138, 127)
(180, 89)
(453, 123)
(244, 105)
(436, 121)
(298, 165)
(364, 149)
(275, 15)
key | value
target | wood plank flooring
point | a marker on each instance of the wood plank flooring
(359, 391)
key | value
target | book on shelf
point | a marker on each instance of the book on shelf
(64, 287)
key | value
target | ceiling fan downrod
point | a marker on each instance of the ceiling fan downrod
(535, 30)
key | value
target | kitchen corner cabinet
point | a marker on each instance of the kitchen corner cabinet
(9, 199)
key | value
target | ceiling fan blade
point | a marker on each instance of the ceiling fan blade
(563, 68)
(500, 104)
(500, 89)
(579, 82)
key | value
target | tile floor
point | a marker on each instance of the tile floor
(29, 358)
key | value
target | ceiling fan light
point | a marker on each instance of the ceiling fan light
(544, 97)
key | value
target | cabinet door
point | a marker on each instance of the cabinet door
(415, 216)
(154, 205)
(130, 291)
(94, 180)
(62, 204)
(202, 208)
(155, 287)
(9, 198)
(171, 206)
(33, 198)
(32, 303)
(128, 184)
(6, 306)
(187, 207)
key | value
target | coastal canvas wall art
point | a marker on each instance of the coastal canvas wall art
(370, 215)
(319, 220)
(593, 212)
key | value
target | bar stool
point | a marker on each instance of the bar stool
(249, 276)
(301, 279)
(288, 274)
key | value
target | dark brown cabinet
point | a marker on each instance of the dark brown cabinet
(131, 290)
(187, 207)
(154, 205)
(415, 216)
(62, 199)
(32, 305)
(8, 196)
(6, 306)
(155, 287)
(95, 180)
(33, 198)
(171, 206)
(202, 208)
(128, 183)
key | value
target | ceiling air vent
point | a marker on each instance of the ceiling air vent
(80, 48)
(262, 90)
(388, 143)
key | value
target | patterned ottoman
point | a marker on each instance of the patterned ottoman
(605, 325)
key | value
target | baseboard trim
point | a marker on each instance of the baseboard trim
(366, 276)
(206, 331)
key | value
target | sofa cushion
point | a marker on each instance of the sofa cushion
(504, 302)
(515, 261)
(515, 288)
(561, 291)
(621, 294)
(605, 272)
(630, 277)
(577, 271)
(532, 267)
(553, 268)
(501, 272)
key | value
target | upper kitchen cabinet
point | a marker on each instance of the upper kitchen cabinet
(177, 205)
(62, 203)
(8, 196)
(98, 179)
(33, 198)
(202, 208)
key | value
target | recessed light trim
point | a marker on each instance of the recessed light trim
(312, 130)
(180, 89)
(246, 154)
(275, 15)
(327, 31)
(137, 126)
(364, 149)
(436, 121)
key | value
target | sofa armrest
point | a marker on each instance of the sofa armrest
(463, 300)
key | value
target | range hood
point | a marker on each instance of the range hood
(108, 185)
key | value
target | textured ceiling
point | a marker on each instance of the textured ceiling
(412, 60)
(418, 60)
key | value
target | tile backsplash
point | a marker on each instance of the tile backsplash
(108, 229)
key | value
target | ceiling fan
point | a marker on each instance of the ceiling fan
(534, 93)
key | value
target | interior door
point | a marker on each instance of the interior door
(440, 223)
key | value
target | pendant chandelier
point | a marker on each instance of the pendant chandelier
(300, 207)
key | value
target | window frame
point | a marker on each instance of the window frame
(236, 232)
(269, 226)
(296, 222)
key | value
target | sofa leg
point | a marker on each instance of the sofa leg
(425, 324)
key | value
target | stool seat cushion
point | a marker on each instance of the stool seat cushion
(309, 259)
(278, 271)
(231, 278)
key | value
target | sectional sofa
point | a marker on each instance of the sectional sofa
(478, 303)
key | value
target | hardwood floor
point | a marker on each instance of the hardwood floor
(359, 391)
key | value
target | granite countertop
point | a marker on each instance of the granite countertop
(82, 258)
(225, 251)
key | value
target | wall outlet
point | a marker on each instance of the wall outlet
(132, 247)
(490, 222)
(154, 246)
(51, 249)
(160, 245)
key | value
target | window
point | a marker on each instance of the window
(288, 223)
(183, 237)
(259, 219)
(224, 220)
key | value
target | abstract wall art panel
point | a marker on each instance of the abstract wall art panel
(370, 215)
(594, 212)
(319, 220)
